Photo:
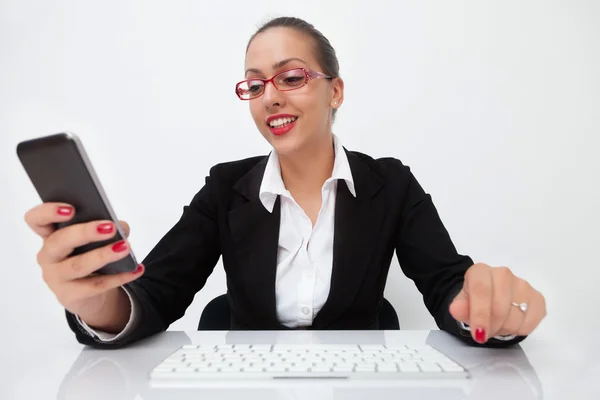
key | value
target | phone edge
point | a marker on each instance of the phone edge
(88, 164)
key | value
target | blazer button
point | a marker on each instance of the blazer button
(305, 310)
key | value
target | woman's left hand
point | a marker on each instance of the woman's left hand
(493, 301)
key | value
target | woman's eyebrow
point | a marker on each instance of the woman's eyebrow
(277, 65)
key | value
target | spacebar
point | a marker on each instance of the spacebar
(310, 377)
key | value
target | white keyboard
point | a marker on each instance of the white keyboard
(258, 361)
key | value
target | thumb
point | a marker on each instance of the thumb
(125, 226)
(459, 308)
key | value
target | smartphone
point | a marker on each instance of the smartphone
(61, 171)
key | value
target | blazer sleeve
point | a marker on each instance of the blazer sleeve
(175, 270)
(428, 256)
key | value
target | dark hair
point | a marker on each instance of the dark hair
(324, 52)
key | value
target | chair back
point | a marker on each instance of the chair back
(216, 316)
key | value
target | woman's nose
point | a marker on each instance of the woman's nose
(272, 97)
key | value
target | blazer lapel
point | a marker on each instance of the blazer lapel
(255, 235)
(357, 224)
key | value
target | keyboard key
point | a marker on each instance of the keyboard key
(452, 368)
(339, 368)
(321, 368)
(254, 368)
(408, 367)
(275, 368)
(366, 347)
(365, 368)
(396, 347)
(299, 368)
(231, 369)
(429, 367)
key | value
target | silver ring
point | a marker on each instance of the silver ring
(522, 306)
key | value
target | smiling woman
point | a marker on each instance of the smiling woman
(292, 73)
(306, 233)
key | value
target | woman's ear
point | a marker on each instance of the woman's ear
(337, 97)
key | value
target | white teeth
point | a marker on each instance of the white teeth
(277, 123)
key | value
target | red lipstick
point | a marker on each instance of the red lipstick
(282, 129)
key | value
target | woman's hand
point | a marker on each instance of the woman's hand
(493, 301)
(68, 276)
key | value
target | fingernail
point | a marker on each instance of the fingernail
(119, 246)
(105, 228)
(480, 335)
(139, 269)
(64, 211)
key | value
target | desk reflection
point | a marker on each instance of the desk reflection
(123, 373)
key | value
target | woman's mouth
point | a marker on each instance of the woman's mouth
(281, 124)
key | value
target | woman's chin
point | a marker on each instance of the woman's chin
(284, 144)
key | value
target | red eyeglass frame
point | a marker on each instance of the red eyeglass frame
(308, 73)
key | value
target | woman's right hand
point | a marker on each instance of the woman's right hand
(68, 276)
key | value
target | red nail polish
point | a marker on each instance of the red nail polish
(480, 335)
(64, 211)
(119, 246)
(139, 269)
(105, 228)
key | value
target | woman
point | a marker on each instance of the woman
(306, 234)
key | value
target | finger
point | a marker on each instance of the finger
(478, 285)
(61, 243)
(522, 293)
(502, 295)
(126, 228)
(82, 265)
(535, 313)
(459, 308)
(513, 322)
(41, 219)
(97, 284)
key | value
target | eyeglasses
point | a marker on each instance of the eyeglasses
(291, 79)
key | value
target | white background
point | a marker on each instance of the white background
(494, 105)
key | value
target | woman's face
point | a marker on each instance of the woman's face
(309, 107)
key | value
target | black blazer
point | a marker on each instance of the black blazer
(226, 218)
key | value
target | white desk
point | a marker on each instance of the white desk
(569, 371)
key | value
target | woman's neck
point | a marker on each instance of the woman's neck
(306, 171)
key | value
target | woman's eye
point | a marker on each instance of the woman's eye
(293, 79)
